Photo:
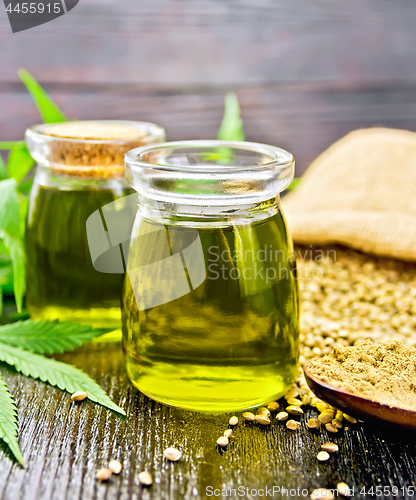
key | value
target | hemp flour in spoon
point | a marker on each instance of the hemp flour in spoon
(383, 373)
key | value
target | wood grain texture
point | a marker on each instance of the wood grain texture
(217, 42)
(64, 443)
(303, 117)
(306, 72)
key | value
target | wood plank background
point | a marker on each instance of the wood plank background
(306, 73)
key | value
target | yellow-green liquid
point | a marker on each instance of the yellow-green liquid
(61, 280)
(228, 344)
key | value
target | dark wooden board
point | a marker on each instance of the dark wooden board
(64, 444)
(306, 72)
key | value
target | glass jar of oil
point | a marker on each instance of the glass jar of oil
(210, 310)
(79, 169)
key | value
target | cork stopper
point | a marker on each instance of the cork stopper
(92, 149)
(95, 131)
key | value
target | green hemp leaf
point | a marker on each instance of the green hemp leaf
(48, 337)
(8, 421)
(65, 377)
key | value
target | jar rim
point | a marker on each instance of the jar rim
(152, 130)
(280, 158)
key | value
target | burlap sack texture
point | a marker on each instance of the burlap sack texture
(361, 192)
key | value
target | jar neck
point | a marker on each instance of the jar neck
(206, 216)
(76, 180)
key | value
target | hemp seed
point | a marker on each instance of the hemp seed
(350, 420)
(306, 400)
(273, 406)
(222, 441)
(262, 420)
(294, 410)
(228, 433)
(172, 454)
(331, 428)
(322, 407)
(247, 415)
(322, 456)
(322, 494)
(103, 474)
(283, 415)
(292, 425)
(330, 447)
(233, 421)
(313, 423)
(79, 396)
(263, 411)
(294, 402)
(145, 478)
(325, 418)
(343, 489)
(115, 466)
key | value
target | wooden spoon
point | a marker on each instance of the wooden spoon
(357, 406)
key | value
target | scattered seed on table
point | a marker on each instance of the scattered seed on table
(103, 474)
(339, 415)
(331, 428)
(145, 478)
(263, 411)
(79, 396)
(313, 423)
(233, 421)
(222, 441)
(172, 454)
(283, 415)
(325, 418)
(322, 494)
(249, 416)
(115, 466)
(337, 423)
(306, 400)
(228, 433)
(294, 410)
(273, 406)
(322, 456)
(330, 447)
(350, 420)
(343, 489)
(262, 419)
(292, 425)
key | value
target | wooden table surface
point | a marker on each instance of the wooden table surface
(306, 73)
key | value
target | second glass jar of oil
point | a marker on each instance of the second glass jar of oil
(79, 170)
(210, 305)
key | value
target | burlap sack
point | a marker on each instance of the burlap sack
(361, 192)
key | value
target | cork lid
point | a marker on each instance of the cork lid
(95, 130)
(89, 149)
